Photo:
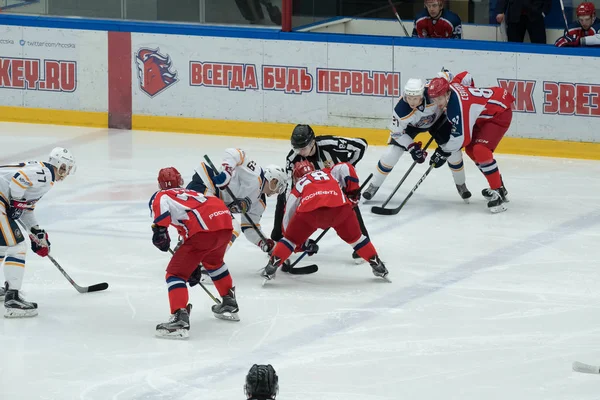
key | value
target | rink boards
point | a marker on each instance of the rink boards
(261, 82)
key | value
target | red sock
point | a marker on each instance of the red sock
(367, 251)
(178, 293)
(282, 251)
(487, 165)
(220, 277)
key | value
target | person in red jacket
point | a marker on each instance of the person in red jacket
(204, 224)
(322, 199)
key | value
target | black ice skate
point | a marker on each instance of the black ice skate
(378, 268)
(370, 192)
(228, 308)
(16, 307)
(270, 270)
(2, 293)
(496, 202)
(178, 326)
(357, 259)
(464, 192)
(501, 190)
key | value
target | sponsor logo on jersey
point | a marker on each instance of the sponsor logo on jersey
(155, 73)
(218, 214)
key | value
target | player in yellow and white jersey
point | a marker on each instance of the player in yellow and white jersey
(21, 187)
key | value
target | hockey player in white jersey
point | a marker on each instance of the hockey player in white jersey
(21, 187)
(249, 183)
(415, 113)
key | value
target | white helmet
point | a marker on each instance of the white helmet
(276, 172)
(444, 73)
(414, 87)
(64, 162)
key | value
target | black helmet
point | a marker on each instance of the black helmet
(261, 382)
(302, 135)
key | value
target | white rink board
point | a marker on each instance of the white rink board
(67, 69)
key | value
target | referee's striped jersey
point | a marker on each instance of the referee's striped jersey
(330, 151)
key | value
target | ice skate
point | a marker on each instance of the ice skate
(501, 190)
(17, 307)
(496, 203)
(228, 308)
(370, 192)
(357, 259)
(379, 269)
(178, 326)
(270, 270)
(464, 193)
(2, 293)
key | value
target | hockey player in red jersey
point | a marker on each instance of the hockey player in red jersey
(479, 118)
(437, 22)
(322, 199)
(585, 31)
(205, 225)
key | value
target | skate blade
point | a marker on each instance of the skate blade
(227, 316)
(358, 261)
(467, 201)
(18, 313)
(498, 209)
(385, 278)
(176, 334)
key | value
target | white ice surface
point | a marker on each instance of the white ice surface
(481, 306)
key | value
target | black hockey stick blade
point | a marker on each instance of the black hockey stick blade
(309, 269)
(385, 211)
(97, 287)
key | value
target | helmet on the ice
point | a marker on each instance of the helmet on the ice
(302, 135)
(169, 178)
(262, 382)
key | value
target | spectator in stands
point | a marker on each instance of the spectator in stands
(262, 383)
(437, 22)
(585, 31)
(252, 11)
(522, 16)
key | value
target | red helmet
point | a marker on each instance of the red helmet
(586, 8)
(438, 87)
(169, 178)
(302, 168)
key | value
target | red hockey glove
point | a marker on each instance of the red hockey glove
(267, 245)
(40, 244)
(16, 209)
(572, 41)
(354, 197)
(416, 152)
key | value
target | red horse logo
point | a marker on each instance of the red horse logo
(154, 71)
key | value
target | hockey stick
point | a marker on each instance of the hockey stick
(94, 288)
(401, 182)
(394, 211)
(290, 268)
(585, 368)
(562, 7)
(398, 18)
(299, 271)
(202, 286)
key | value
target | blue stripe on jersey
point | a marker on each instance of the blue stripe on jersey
(14, 259)
(162, 216)
(361, 244)
(151, 201)
(51, 168)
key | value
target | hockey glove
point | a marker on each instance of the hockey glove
(196, 276)
(40, 244)
(222, 180)
(354, 197)
(16, 209)
(161, 238)
(572, 41)
(267, 245)
(438, 158)
(310, 247)
(416, 152)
